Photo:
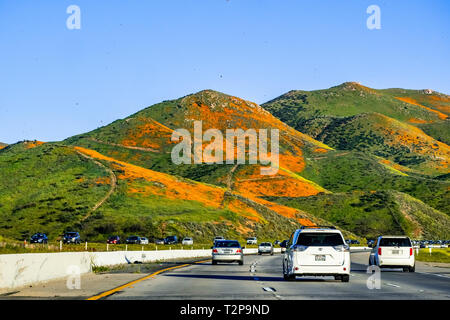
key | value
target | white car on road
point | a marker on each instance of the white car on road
(252, 240)
(188, 241)
(317, 251)
(393, 252)
(144, 240)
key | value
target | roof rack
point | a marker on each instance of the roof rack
(317, 227)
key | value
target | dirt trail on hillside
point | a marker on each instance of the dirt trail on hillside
(111, 190)
(123, 146)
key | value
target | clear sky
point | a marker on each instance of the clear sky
(57, 82)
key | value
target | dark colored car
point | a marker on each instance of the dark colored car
(39, 238)
(171, 240)
(113, 240)
(134, 240)
(283, 245)
(72, 237)
(159, 241)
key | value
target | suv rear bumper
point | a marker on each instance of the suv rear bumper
(321, 270)
(396, 262)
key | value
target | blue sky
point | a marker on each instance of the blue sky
(57, 82)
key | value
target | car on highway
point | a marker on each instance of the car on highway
(370, 243)
(72, 237)
(133, 240)
(159, 241)
(265, 247)
(393, 252)
(187, 241)
(218, 238)
(39, 238)
(227, 251)
(276, 243)
(317, 251)
(252, 240)
(283, 245)
(144, 240)
(113, 240)
(171, 240)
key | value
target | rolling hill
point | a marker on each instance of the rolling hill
(366, 169)
(408, 127)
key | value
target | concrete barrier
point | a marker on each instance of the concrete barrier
(17, 270)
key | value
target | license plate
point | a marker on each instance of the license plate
(227, 251)
(320, 257)
(395, 251)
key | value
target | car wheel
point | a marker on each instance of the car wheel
(214, 262)
(412, 269)
(271, 254)
(345, 278)
(241, 263)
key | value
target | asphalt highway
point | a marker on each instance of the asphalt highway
(261, 278)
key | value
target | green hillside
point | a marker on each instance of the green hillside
(371, 214)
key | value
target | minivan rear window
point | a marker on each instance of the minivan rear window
(319, 239)
(395, 242)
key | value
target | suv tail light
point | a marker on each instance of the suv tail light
(300, 248)
(215, 250)
(379, 251)
(410, 251)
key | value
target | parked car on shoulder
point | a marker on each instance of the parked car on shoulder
(39, 238)
(144, 240)
(252, 240)
(71, 237)
(171, 240)
(227, 251)
(276, 242)
(218, 238)
(187, 241)
(113, 240)
(317, 251)
(133, 240)
(159, 241)
(393, 252)
(265, 247)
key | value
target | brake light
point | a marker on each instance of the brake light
(215, 250)
(238, 251)
(410, 251)
(379, 251)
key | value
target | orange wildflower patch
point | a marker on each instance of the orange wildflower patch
(150, 134)
(414, 102)
(33, 144)
(415, 120)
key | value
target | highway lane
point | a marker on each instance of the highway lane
(261, 278)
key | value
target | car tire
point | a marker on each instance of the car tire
(412, 269)
(241, 263)
(271, 254)
(345, 278)
(214, 262)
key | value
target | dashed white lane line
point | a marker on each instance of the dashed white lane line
(392, 285)
(435, 274)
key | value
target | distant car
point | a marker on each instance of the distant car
(252, 240)
(265, 247)
(318, 251)
(144, 240)
(218, 238)
(113, 240)
(276, 242)
(370, 243)
(159, 241)
(227, 251)
(133, 240)
(187, 241)
(283, 245)
(39, 238)
(171, 240)
(393, 252)
(72, 237)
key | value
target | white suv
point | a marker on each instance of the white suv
(393, 252)
(317, 251)
(252, 240)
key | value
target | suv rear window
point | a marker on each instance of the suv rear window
(395, 242)
(227, 244)
(320, 239)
